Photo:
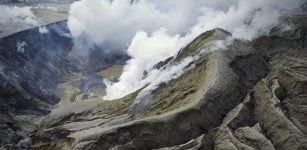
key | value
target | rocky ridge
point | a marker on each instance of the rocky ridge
(249, 95)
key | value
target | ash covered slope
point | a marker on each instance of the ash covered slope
(175, 113)
(32, 65)
(250, 96)
(43, 12)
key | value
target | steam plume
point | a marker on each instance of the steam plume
(157, 30)
(16, 14)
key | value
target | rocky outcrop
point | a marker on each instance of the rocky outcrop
(272, 116)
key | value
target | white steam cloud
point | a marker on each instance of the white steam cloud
(157, 30)
(16, 14)
(146, 51)
(43, 30)
(116, 22)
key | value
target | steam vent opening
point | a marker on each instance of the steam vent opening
(153, 75)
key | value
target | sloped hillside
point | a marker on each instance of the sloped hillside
(250, 96)
(32, 65)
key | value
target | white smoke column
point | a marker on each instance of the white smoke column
(17, 15)
(248, 19)
(146, 51)
(173, 71)
(158, 29)
(116, 22)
